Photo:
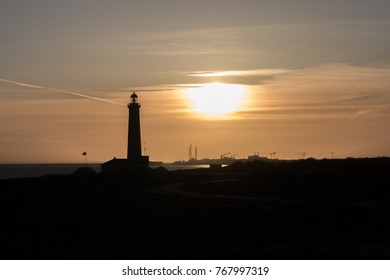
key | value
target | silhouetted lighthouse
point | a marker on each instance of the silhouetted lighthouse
(134, 158)
(134, 132)
(134, 155)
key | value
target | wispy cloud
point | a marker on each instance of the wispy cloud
(146, 89)
(20, 84)
(376, 110)
(255, 72)
(334, 91)
(63, 91)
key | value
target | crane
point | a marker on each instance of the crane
(303, 155)
(224, 155)
(273, 155)
(331, 153)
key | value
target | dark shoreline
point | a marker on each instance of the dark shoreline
(304, 209)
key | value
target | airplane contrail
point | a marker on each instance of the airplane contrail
(63, 91)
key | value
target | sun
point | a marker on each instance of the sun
(216, 99)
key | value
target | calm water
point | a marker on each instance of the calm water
(36, 170)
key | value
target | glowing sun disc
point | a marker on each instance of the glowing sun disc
(216, 99)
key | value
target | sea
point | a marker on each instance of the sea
(8, 171)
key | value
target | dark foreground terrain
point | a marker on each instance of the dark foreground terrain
(306, 209)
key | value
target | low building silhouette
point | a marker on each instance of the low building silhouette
(134, 159)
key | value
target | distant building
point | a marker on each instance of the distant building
(134, 156)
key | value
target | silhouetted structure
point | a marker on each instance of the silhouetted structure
(134, 155)
(134, 133)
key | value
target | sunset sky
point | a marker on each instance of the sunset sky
(286, 76)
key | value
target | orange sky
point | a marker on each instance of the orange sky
(315, 79)
(334, 108)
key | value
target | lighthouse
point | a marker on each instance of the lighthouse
(134, 158)
(134, 131)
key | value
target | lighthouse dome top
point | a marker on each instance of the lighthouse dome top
(134, 98)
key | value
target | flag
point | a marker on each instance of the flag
(85, 153)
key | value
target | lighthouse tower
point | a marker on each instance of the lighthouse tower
(134, 158)
(134, 155)
(134, 132)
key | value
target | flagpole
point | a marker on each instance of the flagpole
(86, 157)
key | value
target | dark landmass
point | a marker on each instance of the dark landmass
(304, 209)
